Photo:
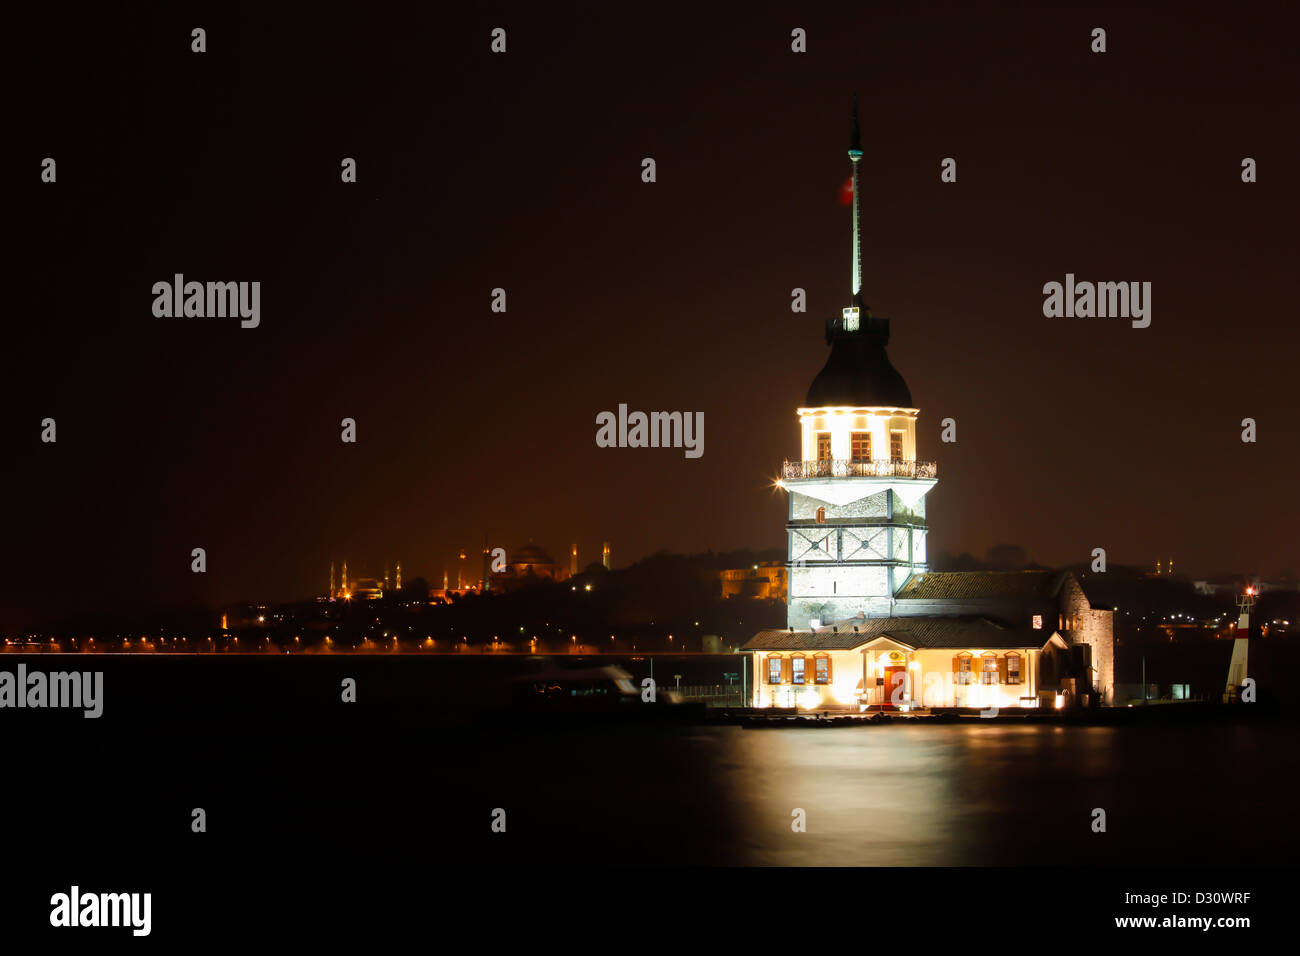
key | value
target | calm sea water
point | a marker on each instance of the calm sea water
(904, 795)
(290, 776)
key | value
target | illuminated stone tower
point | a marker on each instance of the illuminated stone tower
(856, 525)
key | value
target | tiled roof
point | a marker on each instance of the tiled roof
(956, 633)
(823, 640)
(998, 585)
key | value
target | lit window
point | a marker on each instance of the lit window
(896, 446)
(796, 670)
(989, 675)
(860, 446)
(774, 670)
(821, 670)
(1013, 668)
(823, 446)
(1038, 622)
(963, 669)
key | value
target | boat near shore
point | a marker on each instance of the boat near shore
(601, 693)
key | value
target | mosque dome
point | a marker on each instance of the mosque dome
(530, 554)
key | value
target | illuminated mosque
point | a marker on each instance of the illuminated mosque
(531, 564)
(868, 624)
(362, 589)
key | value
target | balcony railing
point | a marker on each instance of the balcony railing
(846, 468)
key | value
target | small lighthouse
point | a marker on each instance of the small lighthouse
(1237, 688)
(856, 528)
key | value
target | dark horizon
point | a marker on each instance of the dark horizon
(478, 171)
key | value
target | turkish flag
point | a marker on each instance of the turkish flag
(846, 192)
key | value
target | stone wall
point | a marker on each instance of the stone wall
(838, 581)
(831, 609)
(1094, 627)
(804, 508)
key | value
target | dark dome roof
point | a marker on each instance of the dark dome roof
(858, 371)
(530, 554)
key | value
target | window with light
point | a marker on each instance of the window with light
(774, 670)
(990, 672)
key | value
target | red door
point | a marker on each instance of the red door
(894, 678)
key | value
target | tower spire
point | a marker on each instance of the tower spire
(855, 154)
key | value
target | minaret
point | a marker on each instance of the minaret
(605, 556)
(331, 590)
(573, 561)
(385, 577)
(343, 586)
(856, 527)
(460, 571)
(399, 575)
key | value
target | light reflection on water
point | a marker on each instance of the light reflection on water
(1002, 794)
(968, 794)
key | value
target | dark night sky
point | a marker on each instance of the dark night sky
(523, 171)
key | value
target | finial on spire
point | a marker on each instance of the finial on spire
(855, 140)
